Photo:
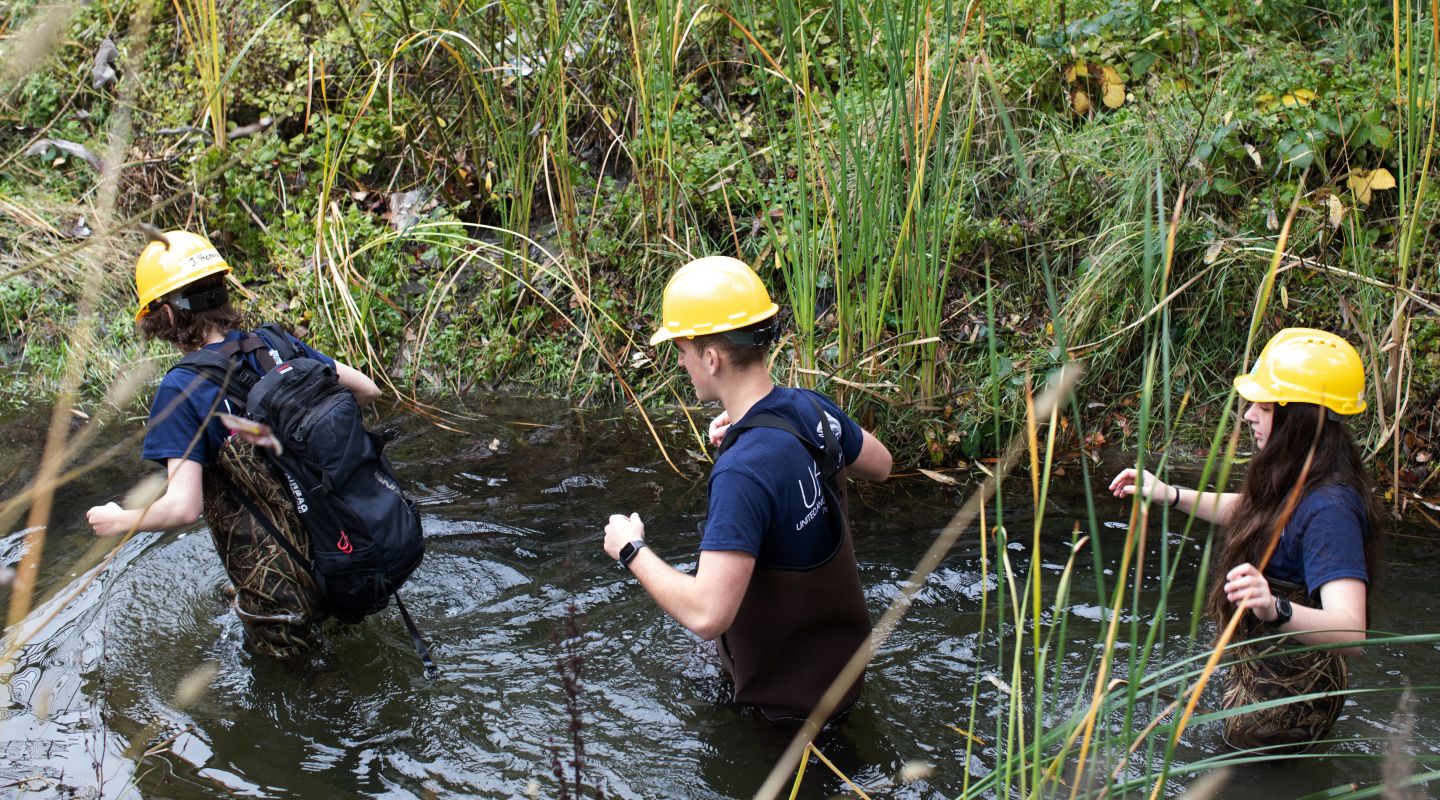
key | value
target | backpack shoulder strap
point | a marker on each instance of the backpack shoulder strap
(234, 377)
(278, 339)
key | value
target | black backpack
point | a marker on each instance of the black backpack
(365, 533)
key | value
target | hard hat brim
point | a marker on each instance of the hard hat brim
(666, 334)
(1252, 390)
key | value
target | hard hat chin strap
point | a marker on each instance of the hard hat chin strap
(754, 337)
(202, 300)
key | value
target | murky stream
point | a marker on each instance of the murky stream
(513, 512)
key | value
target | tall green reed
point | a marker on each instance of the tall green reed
(200, 22)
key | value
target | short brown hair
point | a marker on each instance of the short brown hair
(189, 329)
(751, 348)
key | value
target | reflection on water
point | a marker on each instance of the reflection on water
(513, 512)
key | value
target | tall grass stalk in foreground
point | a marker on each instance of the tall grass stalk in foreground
(60, 446)
(200, 22)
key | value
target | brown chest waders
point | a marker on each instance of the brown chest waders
(1264, 671)
(275, 598)
(796, 629)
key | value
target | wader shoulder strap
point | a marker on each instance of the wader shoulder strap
(416, 639)
(829, 459)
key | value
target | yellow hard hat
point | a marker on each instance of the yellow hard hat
(1303, 365)
(162, 269)
(712, 295)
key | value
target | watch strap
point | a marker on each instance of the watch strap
(630, 550)
(1283, 611)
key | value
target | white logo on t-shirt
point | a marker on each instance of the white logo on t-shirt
(813, 499)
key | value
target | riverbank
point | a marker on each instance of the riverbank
(948, 200)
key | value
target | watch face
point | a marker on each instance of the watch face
(629, 550)
(1282, 610)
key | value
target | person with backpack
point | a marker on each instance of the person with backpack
(1308, 486)
(777, 586)
(253, 509)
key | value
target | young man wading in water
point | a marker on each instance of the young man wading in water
(1316, 585)
(777, 585)
(184, 301)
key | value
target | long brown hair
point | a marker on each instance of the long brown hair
(1274, 473)
(188, 330)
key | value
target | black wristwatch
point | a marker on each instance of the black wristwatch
(629, 551)
(1283, 612)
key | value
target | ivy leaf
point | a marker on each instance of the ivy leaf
(1362, 182)
(1298, 153)
(1224, 185)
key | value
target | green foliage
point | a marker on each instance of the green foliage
(863, 155)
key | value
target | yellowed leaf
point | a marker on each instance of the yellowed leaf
(1213, 251)
(939, 477)
(1336, 209)
(1070, 74)
(1080, 101)
(1284, 297)
(967, 734)
(1362, 182)
(1109, 75)
(193, 686)
(1081, 70)
(1264, 101)
(1381, 179)
(1304, 96)
(1114, 96)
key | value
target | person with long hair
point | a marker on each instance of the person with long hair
(184, 301)
(1307, 486)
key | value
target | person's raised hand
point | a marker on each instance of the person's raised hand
(1246, 587)
(620, 531)
(718, 427)
(1130, 481)
(108, 520)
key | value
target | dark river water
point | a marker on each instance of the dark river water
(514, 507)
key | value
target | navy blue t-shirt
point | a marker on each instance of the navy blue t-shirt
(190, 399)
(1324, 540)
(765, 496)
